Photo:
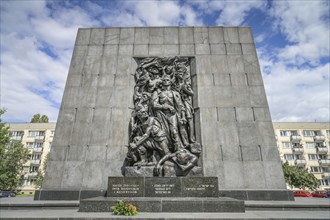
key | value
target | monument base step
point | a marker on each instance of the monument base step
(165, 204)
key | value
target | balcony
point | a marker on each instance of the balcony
(39, 138)
(300, 162)
(16, 138)
(35, 161)
(324, 162)
(32, 174)
(319, 138)
(298, 150)
(37, 150)
(326, 175)
(295, 138)
(322, 150)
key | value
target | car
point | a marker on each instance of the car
(301, 193)
(320, 194)
(7, 194)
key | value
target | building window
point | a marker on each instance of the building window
(310, 145)
(35, 157)
(309, 133)
(50, 145)
(36, 133)
(324, 182)
(328, 133)
(289, 157)
(326, 169)
(316, 170)
(323, 157)
(52, 133)
(34, 169)
(16, 133)
(320, 145)
(37, 145)
(313, 157)
(28, 182)
(284, 133)
(286, 144)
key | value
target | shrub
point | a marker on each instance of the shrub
(123, 208)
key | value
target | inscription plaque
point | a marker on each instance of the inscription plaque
(200, 187)
(125, 187)
(163, 187)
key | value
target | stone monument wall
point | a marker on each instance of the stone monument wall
(232, 118)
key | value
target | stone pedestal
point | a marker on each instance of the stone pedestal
(164, 194)
(165, 204)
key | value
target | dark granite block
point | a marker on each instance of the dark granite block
(182, 206)
(200, 187)
(85, 194)
(267, 195)
(96, 206)
(275, 195)
(59, 195)
(36, 195)
(125, 187)
(210, 205)
(233, 194)
(162, 187)
(145, 205)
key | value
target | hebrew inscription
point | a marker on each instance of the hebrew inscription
(162, 129)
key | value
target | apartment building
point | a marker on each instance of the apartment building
(38, 138)
(306, 145)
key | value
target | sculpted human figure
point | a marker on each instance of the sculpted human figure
(168, 108)
(151, 137)
(184, 88)
(182, 158)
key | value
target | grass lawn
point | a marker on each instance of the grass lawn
(24, 195)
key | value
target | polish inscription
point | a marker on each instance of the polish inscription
(125, 188)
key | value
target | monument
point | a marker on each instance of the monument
(164, 112)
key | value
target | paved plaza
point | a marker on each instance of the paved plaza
(302, 208)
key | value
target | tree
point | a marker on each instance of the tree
(13, 156)
(39, 119)
(299, 177)
(41, 173)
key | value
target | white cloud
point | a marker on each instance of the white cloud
(296, 91)
(33, 80)
(190, 17)
(298, 94)
(233, 13)
(305, 27)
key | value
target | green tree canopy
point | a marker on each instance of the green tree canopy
(13, 156)
(299, 177)
(39, 119)
(41, 173)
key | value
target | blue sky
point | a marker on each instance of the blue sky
(292, 40)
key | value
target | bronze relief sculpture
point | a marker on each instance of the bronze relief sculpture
(162, 128)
